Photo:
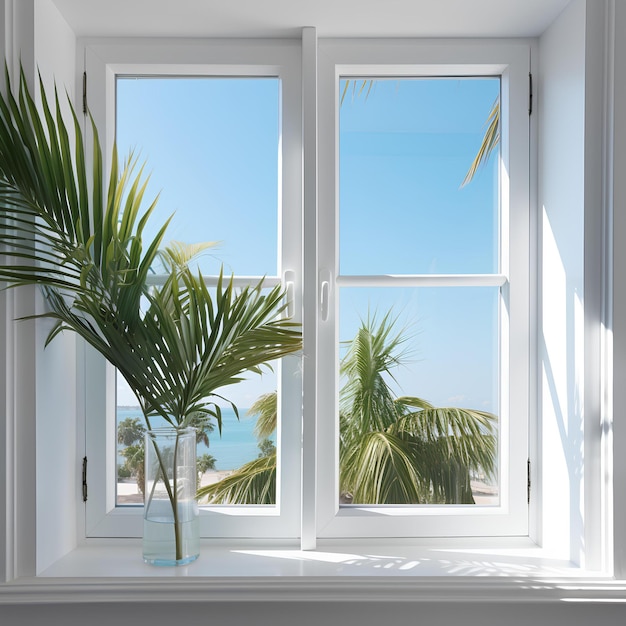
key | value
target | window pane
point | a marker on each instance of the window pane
(212, 151)
(405, 147)
(438, 347)
(211, 147)
(219, 456)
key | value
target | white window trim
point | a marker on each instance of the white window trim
(104, 61)
(379, 58)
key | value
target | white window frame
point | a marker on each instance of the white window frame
(321, 513)
(377, 58)
(104, 61)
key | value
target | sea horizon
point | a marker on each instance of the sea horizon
(236, 447)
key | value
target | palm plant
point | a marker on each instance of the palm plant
(175, 344)
(393, 450)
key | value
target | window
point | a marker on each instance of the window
(483, 288)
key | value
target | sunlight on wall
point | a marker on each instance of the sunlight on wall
(554, 397)
(561, 349)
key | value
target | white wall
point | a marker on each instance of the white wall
(56, 403)
(40, 386)
(561, 108)
(20, 390)
(55, 48)
(571, 107)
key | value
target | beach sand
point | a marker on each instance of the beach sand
(128, 492)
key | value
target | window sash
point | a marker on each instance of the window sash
(104, 62)
(409, 59)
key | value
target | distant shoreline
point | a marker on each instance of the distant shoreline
(236, 447)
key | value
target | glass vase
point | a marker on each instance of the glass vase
(170, 525)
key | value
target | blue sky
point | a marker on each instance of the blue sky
(404, 149)
(212, 144)
(211, 148)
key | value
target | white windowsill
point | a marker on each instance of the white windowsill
(507, 570)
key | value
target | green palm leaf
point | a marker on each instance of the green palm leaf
(489, 142)
(252, 483)
(266, 409)
(380, 468)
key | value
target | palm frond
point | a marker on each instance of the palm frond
(358, 87)
(180, 254)
(266, 409)
(252, 483)
(381, 470)
(366, 398)
(489, 143)
(404, 450)
(462, 434)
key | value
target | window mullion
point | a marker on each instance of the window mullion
(423, 280)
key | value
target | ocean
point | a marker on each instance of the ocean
(234, 448)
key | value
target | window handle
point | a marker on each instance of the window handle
(289, 279)
(324, 294)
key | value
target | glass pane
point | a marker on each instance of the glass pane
(405, 147)
(211, 149)
(435, 349)
(219, 456)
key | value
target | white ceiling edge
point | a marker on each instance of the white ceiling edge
(332, 18)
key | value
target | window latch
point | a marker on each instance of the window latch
(324, 294)
(289, 279)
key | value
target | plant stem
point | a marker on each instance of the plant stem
(177, 526)
(171, 494)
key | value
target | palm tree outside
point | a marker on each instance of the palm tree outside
(393, 450)
(403, 450)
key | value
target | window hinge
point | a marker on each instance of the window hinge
(530, 93)
(84, 93)
(84, 479)
(528, 481)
